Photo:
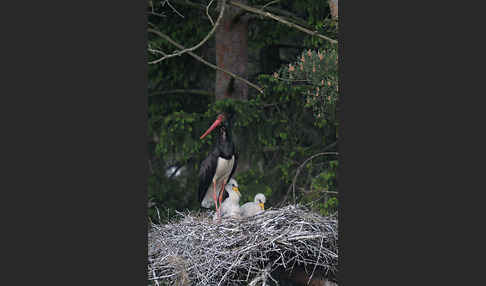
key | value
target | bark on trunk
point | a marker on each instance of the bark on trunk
(333, 4)
(232, 54)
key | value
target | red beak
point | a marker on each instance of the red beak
(215, 124)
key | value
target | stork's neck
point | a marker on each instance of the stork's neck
(225, 143)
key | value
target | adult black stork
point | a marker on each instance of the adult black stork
(219, 166)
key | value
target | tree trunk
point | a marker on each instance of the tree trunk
(333, 4)
(232, 53)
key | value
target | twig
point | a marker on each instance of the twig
(190, 3)
(315, 265)
(223, 5)
(322, 191)
(241, 252)
(269, 3)
(207, 12)
(162, 35)
(156, 51)
(157, 14)
(276, 18)
(174, 9)
(303, 164)
(298, 171)
(287, 15)
(192, 91)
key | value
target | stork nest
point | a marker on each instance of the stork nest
(194, 250)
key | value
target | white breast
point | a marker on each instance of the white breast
(223, 171)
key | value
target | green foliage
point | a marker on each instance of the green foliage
(274, 132)
(317, 73)
(323, 190)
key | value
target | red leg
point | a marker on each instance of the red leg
(221, 193)
(221, 197)
(215, 197)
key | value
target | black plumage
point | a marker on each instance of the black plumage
(206, 173)
(224, 149)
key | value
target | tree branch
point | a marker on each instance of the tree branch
(174, 9)
(193, 91)
(276, 18)
(189, 3)
(322, 191)
(292, 186)
(162, 35)
(223, 5)
(207, 12)
(287, 14)
(303, 164)
(270, 3)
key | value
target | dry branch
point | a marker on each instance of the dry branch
(303, 164)
(192, 91)
(207, 12)
(236, 252)
(299, 169)
(215, 25)
(173, 9)
(276, 18)
(190, 4)
(167, 38)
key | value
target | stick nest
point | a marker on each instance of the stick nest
(194, 250)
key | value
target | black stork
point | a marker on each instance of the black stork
(219, 166)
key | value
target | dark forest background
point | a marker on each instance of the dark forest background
(276, 64)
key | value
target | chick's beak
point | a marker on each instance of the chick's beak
(236, 189)
(262, 206)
